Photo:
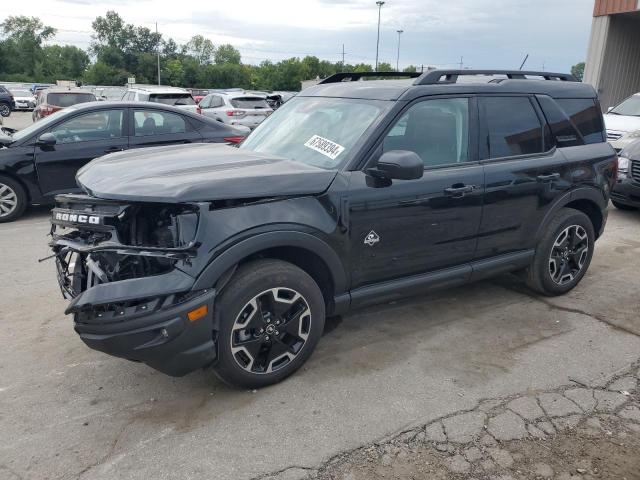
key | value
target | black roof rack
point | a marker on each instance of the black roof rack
(451, 76)
(355, 76)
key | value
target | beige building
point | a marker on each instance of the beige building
(613, 57)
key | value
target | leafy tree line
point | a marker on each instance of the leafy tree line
(119, 50)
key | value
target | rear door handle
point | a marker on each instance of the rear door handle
(459, 191)
(548, 178)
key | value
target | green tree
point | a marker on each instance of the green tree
(227, 54)
(578, 71)
(411, 68)
(102, 74)
(385, 67)
(22, 44)
(64, 62)
(202, 49)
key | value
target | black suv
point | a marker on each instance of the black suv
(352, 193)
(7, 102)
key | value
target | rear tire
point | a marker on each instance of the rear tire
(563, 255)
(13, 199)
(622, 206)
(270, 316)
(5, 109)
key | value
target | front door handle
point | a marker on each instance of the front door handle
(459, 190)
(113, 149)
(548, 178)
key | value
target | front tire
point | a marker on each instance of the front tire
(13, 199)
(563, 254)
(270, 317)
(5, 109)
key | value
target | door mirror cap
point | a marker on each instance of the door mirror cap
(400, 165)
(47, 140)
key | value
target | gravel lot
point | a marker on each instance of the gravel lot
(17, 120)
(67, 412)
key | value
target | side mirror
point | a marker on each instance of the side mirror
(47, 140)
(398, 165)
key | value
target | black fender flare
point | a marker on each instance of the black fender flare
(241, 250)
(581, 193)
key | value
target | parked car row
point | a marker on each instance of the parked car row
(40, 161)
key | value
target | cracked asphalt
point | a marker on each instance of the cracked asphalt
(67, 412)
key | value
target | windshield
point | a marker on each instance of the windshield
(172, 98)
(317, 131)
(249, 102)
(631, 106)
(68, 99)
(31, 129)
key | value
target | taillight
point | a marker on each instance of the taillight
(199, 110)
(234, 140)
(236, 113)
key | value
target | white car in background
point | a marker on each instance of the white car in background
(623, 122)
(241, 109)
(25, 100)
(174, 96)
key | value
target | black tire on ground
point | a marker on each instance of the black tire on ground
(270, 285)
(13, 199)
(543, 269)
(5, 109)
(622, 206)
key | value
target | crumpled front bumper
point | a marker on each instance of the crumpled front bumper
(154, 330)
(147, 320)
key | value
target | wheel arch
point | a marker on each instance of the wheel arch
(588, 200)
(304, 250)
(19, 181)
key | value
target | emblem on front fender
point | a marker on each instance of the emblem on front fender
(371, 239)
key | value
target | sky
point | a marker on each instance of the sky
(441, 33)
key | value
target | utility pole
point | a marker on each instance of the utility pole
(342, 65)
(379, 4)
(461, 63)
(398, 56)
(158, 52)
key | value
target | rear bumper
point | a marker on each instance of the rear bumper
(165, 339)
(627, 192)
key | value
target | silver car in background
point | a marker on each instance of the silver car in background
(236, 108)
(25, 100)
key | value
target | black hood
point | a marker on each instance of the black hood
(199, 172)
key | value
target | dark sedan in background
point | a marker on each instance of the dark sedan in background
(42, 160)
(626, 191)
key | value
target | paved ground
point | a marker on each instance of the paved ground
(67, 412)
(17, 120)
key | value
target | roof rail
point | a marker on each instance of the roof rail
(355, 76)
(451, 76)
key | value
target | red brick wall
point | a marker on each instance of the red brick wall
(608, 7)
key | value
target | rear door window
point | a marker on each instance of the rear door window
(584, 114)
(154, 122)
(511, 126)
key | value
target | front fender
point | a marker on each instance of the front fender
(284, 238)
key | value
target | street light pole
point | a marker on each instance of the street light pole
(398, 57)
(379, 4)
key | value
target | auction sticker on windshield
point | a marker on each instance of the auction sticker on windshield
(324, 146)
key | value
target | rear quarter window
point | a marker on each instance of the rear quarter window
(585, 115)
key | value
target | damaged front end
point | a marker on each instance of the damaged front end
(122, 267)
